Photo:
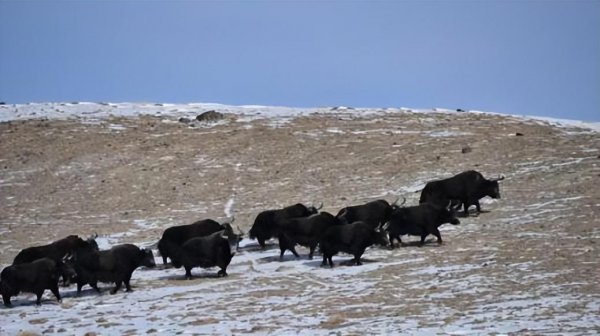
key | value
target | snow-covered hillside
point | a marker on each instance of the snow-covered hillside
(527, 265)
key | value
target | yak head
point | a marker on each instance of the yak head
(67, 271)
(447, 214)
(147, 258)
(491, 187)
(380, 236)
(233, 238)
(395, 205)
(314, 210)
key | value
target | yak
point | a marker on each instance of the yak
(467, 188)
(372, 213)
(33, 277)
(114, 265)
(265, 224)
(208, 251)
(55, 251)
(421, 220)
(177, 235)
(305, 231)
(351, 238)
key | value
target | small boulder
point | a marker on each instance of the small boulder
(210, 116)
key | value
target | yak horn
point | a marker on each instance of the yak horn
(397, 199)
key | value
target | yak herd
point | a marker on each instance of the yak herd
(207, 243)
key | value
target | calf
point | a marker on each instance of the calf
(33, 277)
(421, 220)
(114, 265)
(209, 251)
(265, 224)
(467, 187)
(351, 238)
(305, 231)
(177, 235)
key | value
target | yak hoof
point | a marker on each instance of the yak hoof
(221, 273)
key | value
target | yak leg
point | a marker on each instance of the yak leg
(293, 249)
(437, 233)
(391, 240)
(423, 236)
(117, 287)
(330, 261)
(6, 299)
(188, 273)
(164, 260)
(478, 206)
(222, 272)
(261, 242)
(282, 248)
(39, 297)
(312, 251)
(56, 293)
(357, 261)
(466, 205)
(126, 281)
(95, 286)
(324, 263)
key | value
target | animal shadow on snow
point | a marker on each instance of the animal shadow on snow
(256, 248)
(417, 243)
(316, 263)
(275, 258)
(85, 292)
(209, 274)
(29, 300)
(472, 213)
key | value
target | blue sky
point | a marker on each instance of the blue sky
(520, 57)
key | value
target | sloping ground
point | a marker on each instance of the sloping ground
(529, 265)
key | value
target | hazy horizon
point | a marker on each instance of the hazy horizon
(519, 57)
